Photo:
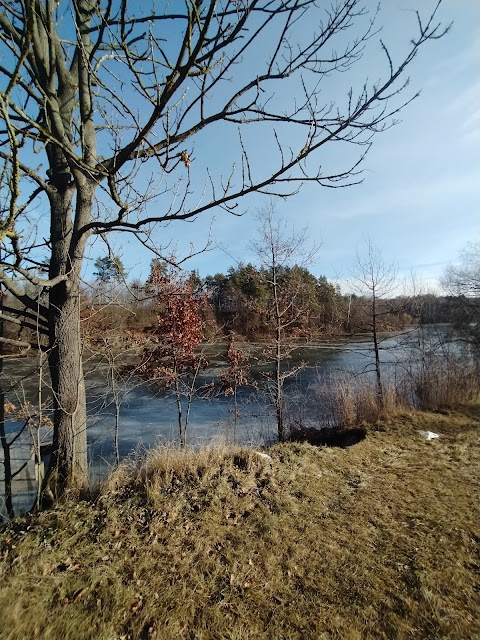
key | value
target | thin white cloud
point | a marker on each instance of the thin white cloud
(471, 126)
(458, 62)
(467, 100)
(412, 198)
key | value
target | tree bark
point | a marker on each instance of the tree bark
(181, 426)
(7, 463)
(3, 436)
(68, 464)
(278, 388)
(376, 350)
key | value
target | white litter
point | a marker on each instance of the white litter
(429, 435)
(263, 455)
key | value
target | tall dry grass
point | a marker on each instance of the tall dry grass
(445, 383)
(357, 400)
(434, 383)
(347, 400)
(167, 468)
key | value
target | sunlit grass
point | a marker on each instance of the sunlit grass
(374, 541)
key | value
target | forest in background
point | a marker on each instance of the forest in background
(240, 301)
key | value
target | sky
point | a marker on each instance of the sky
(420, 195)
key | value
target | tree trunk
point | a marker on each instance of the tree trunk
(3, 436)
(279, 388)
(68, 465)
(117, 401)
(181, 426)
(117, 432)
(278, 358)
(377, 352)
(6, 458)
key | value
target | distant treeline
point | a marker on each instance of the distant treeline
(241, 301)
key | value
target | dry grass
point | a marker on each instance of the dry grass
(347, 400)
(374, 541)
(352, 400)
(357, 402)
(446, 382)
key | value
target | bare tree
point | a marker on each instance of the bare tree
(374, 279)
(278, 249)
(464, 279)
(108, 108)
(234, 375)
(7, 464)
(462, 282)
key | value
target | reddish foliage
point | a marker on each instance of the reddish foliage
(169, 352)
(236, 373)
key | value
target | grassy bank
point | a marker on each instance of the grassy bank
(378, 540)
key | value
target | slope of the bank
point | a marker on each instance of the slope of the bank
(378, 540)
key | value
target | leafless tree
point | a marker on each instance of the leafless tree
(374, 279)
(462, 281)
(117, 116)
(278, 249)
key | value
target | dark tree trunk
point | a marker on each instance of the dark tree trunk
(279, 385)
(182, 431)
(6, 454)
(68, 464)
(278, 388)
(7, 464)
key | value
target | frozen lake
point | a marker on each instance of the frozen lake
(148, 415)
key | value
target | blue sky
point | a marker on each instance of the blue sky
(419, 202)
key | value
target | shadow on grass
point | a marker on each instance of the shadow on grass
(329, 437)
